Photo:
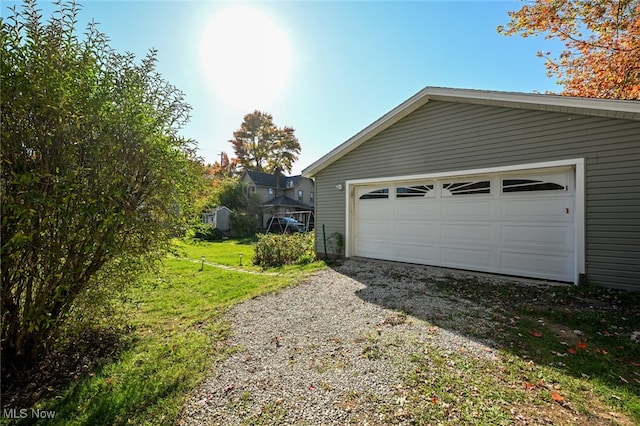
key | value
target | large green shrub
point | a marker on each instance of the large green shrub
(207, 232)
(284, 249)
(95, 177)
(242, 225)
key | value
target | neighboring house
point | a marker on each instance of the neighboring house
(219, 217)
(519, 184)
(279, 194)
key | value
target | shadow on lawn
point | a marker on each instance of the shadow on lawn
(585, 332)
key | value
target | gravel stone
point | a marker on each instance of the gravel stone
(332, 350)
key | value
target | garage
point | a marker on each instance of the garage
(517, 223)
(520, 184)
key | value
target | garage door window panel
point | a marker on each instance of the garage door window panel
(419, 191)
(530, 185)
(377, 194)
(466, 188)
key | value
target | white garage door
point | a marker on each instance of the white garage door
(509, 223)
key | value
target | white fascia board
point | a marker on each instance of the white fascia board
(568, 104)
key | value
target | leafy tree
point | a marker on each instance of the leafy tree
(230, 192)
(602, 44)
(225, 168)
(261, 146)
(94, 174)
(233, 193)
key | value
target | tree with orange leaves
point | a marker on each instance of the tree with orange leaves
(602, 44)
(225, 168)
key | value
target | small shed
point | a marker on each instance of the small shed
(219, 217)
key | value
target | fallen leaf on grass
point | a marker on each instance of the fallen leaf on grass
(528, 386)
(434, 400)
(582, 345)
(557, 397)
(535, 333)
(572, 351)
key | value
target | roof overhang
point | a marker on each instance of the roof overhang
(621, 109)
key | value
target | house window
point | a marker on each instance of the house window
(414, 191)
(271, 192)
(466, 188)
(378, 193)
(300, 193)
(312, 196)
(528, 185)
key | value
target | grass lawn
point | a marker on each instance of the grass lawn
(176, 336)
(566, 354)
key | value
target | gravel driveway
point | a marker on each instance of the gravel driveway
(333, 349)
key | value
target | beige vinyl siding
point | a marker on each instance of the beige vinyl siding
(447, 136)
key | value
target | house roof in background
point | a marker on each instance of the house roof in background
(612, 108)
(217, 209)
(283, 201)
(271, 180)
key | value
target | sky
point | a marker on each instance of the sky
(326, 68)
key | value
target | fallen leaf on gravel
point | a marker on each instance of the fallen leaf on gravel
(556, 396)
